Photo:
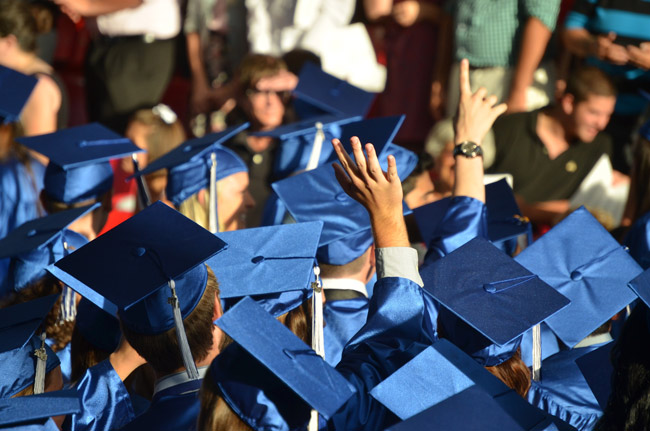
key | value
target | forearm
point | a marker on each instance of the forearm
(100, 7)
(533, 45)
(547, 213)
(579, 42)
(195, 59)
(389, 230)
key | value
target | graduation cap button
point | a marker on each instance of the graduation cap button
(138, 251)
(257, 259)
(576, 275)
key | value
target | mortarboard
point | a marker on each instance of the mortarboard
(329, 94)
(188, 165)
(22, 360)
(505, 222)
(274, 265)
(99, 326)
(317, 195)
(197, 164)
(582, 261)
(35, 410)
(150, 267)
(489, 291)
(442, 371)
(597, 369)
(15, 89)
(79, 167)
(470, 410)
(305, 144)
(271, 376)
(38, 243)
(641, 286)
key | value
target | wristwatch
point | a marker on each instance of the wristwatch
(468, 149)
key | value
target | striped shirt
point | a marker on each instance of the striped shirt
(630, 20)
(488, 32)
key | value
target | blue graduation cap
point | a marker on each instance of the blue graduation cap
(305, 144)
(329, 94)
(470, 410)
(36, 410)
(439, 373)
(270, 376)
(79, 167)
(22, 353)
(641, 286)
(99, 326)
(15, 89)
(505, 222)
(274, 265)
(498, 298)
(316, 195)
(188, 165)
(150, 267)
(38, 243)
(597, 369)
(582, 261)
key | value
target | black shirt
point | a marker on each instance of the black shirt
(537, 178)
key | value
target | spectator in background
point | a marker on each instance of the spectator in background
(550, 151)
(264, 106)
(46, 109)
(505, 42)
(131, 58)
(615, 37)
(409, 29)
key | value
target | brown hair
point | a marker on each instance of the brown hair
(342, 271)
(514, 373)
(83, 355)
(162, 351)
(257, 66)
(61, 333)
(16, 19)
(589, 80)
(215, 413)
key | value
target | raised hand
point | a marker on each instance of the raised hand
(379, 192)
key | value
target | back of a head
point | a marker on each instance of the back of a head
(587, 81)
(16, 19)
(162, 351)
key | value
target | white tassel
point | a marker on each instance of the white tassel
(314, 157)
(41, 367)
(186, 353)
(317, 339)
(68, 307)
(537, 352)
(212, 210)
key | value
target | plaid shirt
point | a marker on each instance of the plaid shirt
(488, 32)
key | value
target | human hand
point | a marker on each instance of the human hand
(640, 56)
(437, 101)
(200, 99)
(406, 13)
(379, 192)
(476, 112)
(606, 49)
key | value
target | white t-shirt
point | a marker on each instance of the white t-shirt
(160, 19)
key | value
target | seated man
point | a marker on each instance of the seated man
(550, 151)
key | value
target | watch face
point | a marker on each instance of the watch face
(468, 149)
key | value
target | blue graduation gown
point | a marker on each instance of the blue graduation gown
(66, 364)
(564, 392)
(638, 240)
(398, 329)
(105, 402)
(172, 409)
(343, 318)
(19, 200)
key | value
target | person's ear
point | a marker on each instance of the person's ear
(217, 311)
(567, 102)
